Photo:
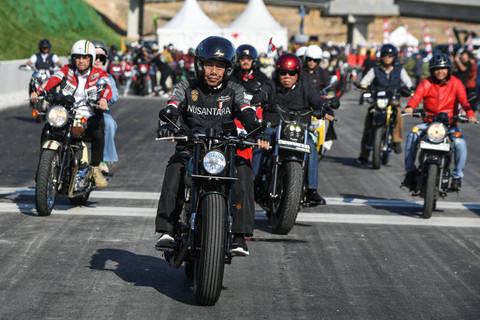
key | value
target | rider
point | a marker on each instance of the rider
(291, 92)
(441, 92)
(109, 150)
(387, 76)
(80, 80)
(201, 103)
(319, 77)
(44, 59)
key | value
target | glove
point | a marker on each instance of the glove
(328, 110)
(263, 136)
(165, 131)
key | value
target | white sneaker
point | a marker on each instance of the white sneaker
(328, 144)
(164, 241)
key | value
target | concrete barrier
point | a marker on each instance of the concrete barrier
(14, 84)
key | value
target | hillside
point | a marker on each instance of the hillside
(24, 22)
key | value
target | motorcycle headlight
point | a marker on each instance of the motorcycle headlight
(293, 131)
(143, 69)
(382, 103)
(436, 132)
(214, 162)
(57, 116)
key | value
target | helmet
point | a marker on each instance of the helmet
(326, 55)
(289, 61)
(390, 50)
(250, 51)
(83, 48)
(216, 48)
(301, 52)
(314, 52)
(100, 44)
(44, 43)
(440, 60)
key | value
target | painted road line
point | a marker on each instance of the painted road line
(392, 219)
(357, 202)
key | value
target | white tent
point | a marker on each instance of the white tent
(190, 26)
(401, 37)
(255, 26)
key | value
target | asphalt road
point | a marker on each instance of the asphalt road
(367, 254)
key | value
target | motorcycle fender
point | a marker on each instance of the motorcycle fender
(51, 145)
(292, 159)
(433, 158)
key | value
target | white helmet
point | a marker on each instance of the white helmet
(83, 48)
(326, 55)
(314, 52)
(301, 51)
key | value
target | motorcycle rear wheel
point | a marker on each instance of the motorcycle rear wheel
(46, 186)
(378, 146)
(430, 190)
(284, 209)
(210, 265)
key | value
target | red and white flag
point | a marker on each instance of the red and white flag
(386, 35)
(271, 48)
(448, 31)
(428, 43)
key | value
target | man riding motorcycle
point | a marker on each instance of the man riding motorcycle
(387, 76)
(291, 92)
(80, 81)
(441, 92)
(201, 103)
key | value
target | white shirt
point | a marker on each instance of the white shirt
(33, 58)
(84, 110)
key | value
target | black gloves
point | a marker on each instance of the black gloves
(165, 131)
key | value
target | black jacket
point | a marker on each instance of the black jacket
(319, 78)
(255, 75)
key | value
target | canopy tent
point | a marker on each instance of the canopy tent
(401, 37)
(255, 26)
(189, 26)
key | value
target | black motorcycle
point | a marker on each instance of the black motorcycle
(433, 177)
(280, 190)
(384, 114)
(63, 167)
(203, 236)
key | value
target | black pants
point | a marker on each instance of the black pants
(169, 205)
(95, 133)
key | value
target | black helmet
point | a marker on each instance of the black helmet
(388, 50)
(216, 48)
(44, 43)
(440, 60)
(250, 51)
(100, 44)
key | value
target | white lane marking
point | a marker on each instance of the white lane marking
(259, 215)
(369, 202)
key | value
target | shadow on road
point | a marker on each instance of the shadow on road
(145, 271)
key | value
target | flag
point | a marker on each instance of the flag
(386, 35)
(448, 30)
(428, 43)
(271, 48)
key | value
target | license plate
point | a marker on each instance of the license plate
(434, 146)
(291, 145)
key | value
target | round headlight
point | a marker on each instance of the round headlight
(436, 132)
(294, 132)
(214, 162)
(382, 103)
(57, 116)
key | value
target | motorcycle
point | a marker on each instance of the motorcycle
(281, 190)
(141, 78)
(203, 233)
(318, 127)
(115, 68)
(63, 167)
(436, 151)
(384, 113)
(38, 77)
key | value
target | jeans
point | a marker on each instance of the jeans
(459, 147)
(259, 159)
(109, 150)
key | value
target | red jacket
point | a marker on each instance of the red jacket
(68, 72)
(441, 97)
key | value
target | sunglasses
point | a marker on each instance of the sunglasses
(311, 59)
(387, 54)
(102, 58)
(291, 73)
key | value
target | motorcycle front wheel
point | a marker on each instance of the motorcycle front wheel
(378, 146)
(430, 190)
(210, 265)
(46, 186)
(284, 208)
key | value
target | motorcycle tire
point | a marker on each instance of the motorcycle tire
(378, 146)
(289, 189)
(46, 189)
(430, 190)
(80, 200)
(210, 265)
